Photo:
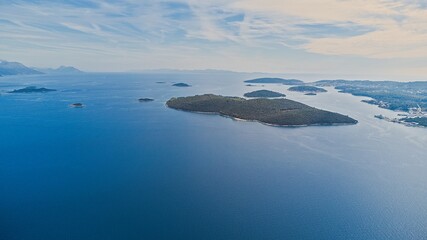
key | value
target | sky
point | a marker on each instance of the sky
(365, 38)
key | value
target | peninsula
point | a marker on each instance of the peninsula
(279, 112)
(396, 96)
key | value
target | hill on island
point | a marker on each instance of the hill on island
(276, 81)
(280, 112)
(15, 68)
(264, 94)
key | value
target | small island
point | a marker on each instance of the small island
(145, 100)
(310, 94)
(264, 94)
(276, 81)
(32, 89)
(77, 105)
(307, 89)
(278, 112)
(181, 85)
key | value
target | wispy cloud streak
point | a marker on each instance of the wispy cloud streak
(372, 29)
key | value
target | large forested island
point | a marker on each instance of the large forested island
(280, 112)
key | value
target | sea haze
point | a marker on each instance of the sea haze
(123, 169)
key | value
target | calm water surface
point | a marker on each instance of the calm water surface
(120, 169)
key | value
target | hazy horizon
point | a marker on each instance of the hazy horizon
(306, 77)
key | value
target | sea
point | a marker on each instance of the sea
(126, 170)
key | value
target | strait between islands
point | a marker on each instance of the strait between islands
(278, 112)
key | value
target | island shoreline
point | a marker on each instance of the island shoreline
(263, 123)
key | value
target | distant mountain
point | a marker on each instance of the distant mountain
(276, 80)
(60, 70)
(15, 68)
(183, 71)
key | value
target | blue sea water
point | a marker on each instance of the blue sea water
(121, 169)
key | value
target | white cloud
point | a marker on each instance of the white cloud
(399, 29)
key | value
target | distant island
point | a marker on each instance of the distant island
(32, 89)
(276, 81)
(145, 100)
(310, 94)
(307, 89)
(15, 68)
(279, 112)
(181, 85)
(264, 94)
